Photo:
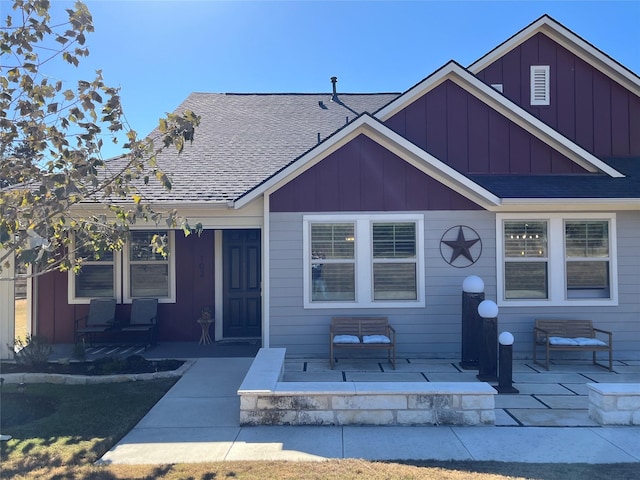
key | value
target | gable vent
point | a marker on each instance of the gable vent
(540, 85)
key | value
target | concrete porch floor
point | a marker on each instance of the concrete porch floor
(554, 398)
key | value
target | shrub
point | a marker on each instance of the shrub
(33, 352)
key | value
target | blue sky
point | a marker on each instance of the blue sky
(160, 51)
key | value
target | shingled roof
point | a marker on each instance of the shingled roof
(245, 138)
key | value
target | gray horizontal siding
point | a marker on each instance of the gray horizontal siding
(434, 331)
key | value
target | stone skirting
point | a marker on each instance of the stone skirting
(265, 400)
(614, 403)
(68, 379)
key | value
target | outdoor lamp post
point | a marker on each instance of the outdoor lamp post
(505, 361)
(472, 295)
(488, 355)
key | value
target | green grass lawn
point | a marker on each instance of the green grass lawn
(59, 431)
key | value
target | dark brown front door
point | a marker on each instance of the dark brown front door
(242, 316)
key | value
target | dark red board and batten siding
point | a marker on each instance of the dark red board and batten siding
(465, 133)
(586, 106)
(177, 321)
(365, 176)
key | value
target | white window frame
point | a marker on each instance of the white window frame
(121, 273)
(556, 263)
(540, 75)
(72, 278)
(171, 262)
(363, 227)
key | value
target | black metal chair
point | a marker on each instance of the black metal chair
(99, 320)
(143, 321)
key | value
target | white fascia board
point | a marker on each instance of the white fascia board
(505, 47)
(393, 142)
(431, 166)
(415, 92)
(569, 204)
(531, 123)
(97, 208)
(454, 72)
(572, 42)
(304, 162)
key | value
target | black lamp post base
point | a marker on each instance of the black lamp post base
(506, 389)
(469, 365)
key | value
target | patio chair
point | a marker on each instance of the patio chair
(143, 320)
(100, 319)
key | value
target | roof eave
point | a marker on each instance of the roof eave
(463, 78)
(569, 204)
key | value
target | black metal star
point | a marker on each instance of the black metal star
(461, 246)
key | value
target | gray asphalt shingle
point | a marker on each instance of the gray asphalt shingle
(245, 138)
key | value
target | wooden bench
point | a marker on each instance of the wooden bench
(570, 335)
(362, 333)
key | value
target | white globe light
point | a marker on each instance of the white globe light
(488, 309)
(473, 284)
(506, 338)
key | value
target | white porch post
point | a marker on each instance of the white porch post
(7, 311)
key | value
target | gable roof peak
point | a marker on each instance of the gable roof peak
(577, 45)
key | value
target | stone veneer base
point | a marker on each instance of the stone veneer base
(614, 403)
(265, 400)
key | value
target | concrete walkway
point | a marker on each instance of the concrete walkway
(197, 421)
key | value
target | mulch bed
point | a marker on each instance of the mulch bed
(101, 366)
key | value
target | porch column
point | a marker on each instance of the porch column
(7, 311)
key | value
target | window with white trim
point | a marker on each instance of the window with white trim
(144, 273)
(98, 277)
(556, 259)
(149, 274)
(363, 260)
(540, 94)
(333, 262)
(587, 259)
(394, 261)
(526, 260)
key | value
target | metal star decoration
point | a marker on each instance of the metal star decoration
(461, 246)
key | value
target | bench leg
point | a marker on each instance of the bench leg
(331, 355)
(392, 356)
(547, 359)
(535, 358)
(610, 366)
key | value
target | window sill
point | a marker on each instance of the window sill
(578, 302)
(361, 305)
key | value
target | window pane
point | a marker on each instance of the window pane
(333, 241)
(150, 280)
(333, 282)
(394, 281)
(587, 239)
(525, 280)
(87, 253)
(525, 239)
(394, 240)
(588, 280)
(95, 281)
(141, 249)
